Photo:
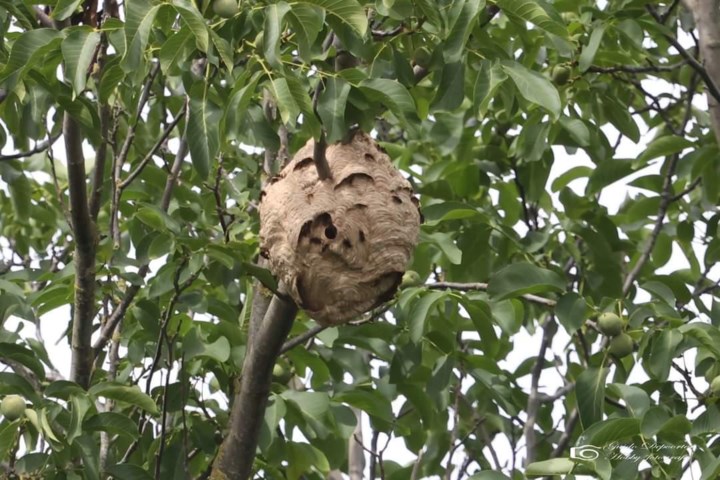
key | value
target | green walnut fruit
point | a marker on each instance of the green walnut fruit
(621, 346)
(715, 386)
(561, 74)
(225, 8)
(282, 372)
(410, 279)
(610, 324)
(12, 407)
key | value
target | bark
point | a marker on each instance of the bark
(85, 242)
(237, 452)
(707, 19)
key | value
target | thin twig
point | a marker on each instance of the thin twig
(697, 66)
(533, 403)
(567, 434)
(482, 287)
(159, 143)
(302, 338)
(40, 147)
(636, 68)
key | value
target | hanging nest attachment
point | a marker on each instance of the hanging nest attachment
(340, 245)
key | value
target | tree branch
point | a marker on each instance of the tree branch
(119, 312)
(534, 401)
(302, 338)
(85, 240)
(468, 287)
(153, 150)
(636, 68)
(707, 19)
(237, 452)
(709, 8)
(40, 147)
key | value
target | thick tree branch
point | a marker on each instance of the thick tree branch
(85, 241)
(707, 19)
(43, 18)
(100, 160)
(356, 453)
(237, 452)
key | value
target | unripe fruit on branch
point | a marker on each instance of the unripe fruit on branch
(621, 346)
(12, 407)
(411, 279)
(225, 8)
(715, 386)
(561, 74)
(610, 324)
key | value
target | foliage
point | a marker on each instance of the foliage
(520, 238)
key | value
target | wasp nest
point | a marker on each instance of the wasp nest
(340, 245)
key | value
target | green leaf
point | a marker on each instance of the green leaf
(455, 43)
(237, 104)
(331, 108)
(128, 471)
(621, 119)
(533, 12)
(289, 108)
(419, 312)
(9, 432)
(451, 89)
(29, 48)
(123, 393)
(64, 9)
(24, 356)
(203, 136)
(588, 53)
(571, 311)
(196, 346)
(577, 129)
(554, 466)
(371, 402)
(274, 16)
(572, 174)
(111, 422)
(446, 243)
(534, 88)
(488, 475)
(590, 393)
(195, 22)
(662, 351)
(140, 17)
(262, 274)
(607, 172)
(349, 12)
(391, 93)
(21, 198)
(520, 278)
(307, 21)
(636, 399)
(665, 146)
(607, 431)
